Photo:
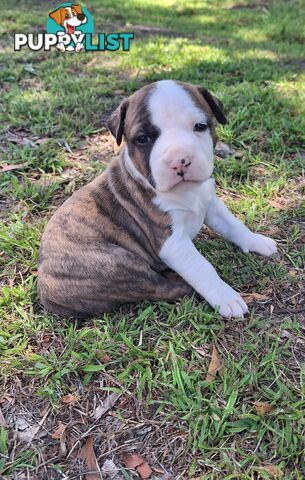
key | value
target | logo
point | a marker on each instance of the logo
(70, 23)
(70, 28)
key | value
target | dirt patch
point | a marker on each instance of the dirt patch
(118, 424)
(250, 6)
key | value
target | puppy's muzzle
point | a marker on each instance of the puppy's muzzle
(81, 17)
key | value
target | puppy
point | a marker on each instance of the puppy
(113, 240)
(69, 18)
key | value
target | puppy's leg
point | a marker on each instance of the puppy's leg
(61, 47)
(97, 280)
(220, 219)
(180, 254)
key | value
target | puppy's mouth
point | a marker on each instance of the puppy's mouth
(183, 172)
(189, 178)
(70, 28)
(182, 180)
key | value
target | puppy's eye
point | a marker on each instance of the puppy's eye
(143, 139)
(67, 15)
(200, 127)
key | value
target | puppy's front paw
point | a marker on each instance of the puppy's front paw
(255, 242)
(78, 47)
(229, 302)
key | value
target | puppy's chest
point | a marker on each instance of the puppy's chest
(193, 222)
(187, 206)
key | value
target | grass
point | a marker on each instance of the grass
(155, 357)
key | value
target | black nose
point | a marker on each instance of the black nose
(182, 161)
(80, 16)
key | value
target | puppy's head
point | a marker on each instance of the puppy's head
(169, 129)
(69, 17)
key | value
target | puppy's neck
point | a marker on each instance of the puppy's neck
(127, 163)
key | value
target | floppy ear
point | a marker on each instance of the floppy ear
(57, 15)
(215, 105)
(116, 121)
(77, 8)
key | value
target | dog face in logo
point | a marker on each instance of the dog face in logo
(69, 17)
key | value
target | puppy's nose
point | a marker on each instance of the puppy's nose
(80, 16)
(182, 164)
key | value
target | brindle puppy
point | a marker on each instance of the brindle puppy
(113, 240)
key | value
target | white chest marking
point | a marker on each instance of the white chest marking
(187, 206)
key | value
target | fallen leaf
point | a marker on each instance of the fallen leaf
(263, 407)
(109, 402)
(25, 431)
(215, 365)
(135, 461)
(69, 398)
(276, 204)
(270, 468)
(46, 338)
(87, 454)
(105, 358)
(34, 273)
(132, 460)
(110, 469)
(201, 351)
(58, 432)
(9, 168)
(144, 470)
(254, 297)
(3, 422)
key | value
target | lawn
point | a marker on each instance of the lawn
(77, 397)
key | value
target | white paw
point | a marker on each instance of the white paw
(78, 47)
(229, 303)
(255, 242)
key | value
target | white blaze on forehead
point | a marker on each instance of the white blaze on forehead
(170, 104)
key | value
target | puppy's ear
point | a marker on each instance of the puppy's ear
(77, 8)
(116, 121)
(57, 15)
(215, 105)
